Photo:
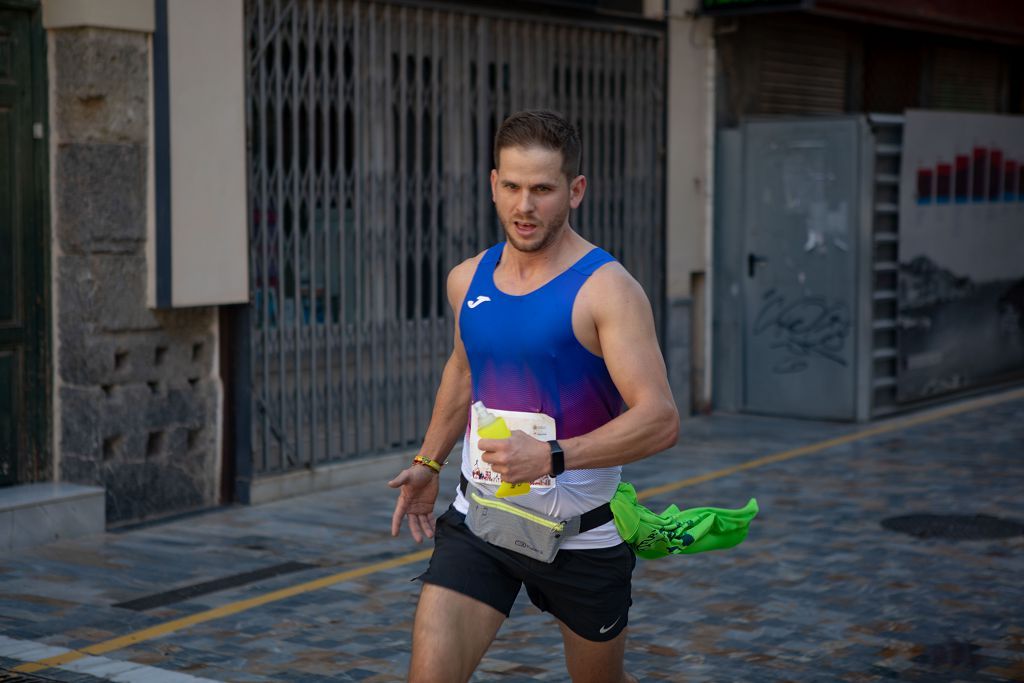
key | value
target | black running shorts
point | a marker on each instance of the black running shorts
(588, 590)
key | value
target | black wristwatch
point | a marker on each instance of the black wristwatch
(557, 459)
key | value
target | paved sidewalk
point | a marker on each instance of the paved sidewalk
(819, 592)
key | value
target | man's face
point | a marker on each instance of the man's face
(533, 197)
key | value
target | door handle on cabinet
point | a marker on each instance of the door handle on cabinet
(752, 261)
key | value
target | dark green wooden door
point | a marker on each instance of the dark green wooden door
(21, 257)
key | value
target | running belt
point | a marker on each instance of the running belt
(591, 519)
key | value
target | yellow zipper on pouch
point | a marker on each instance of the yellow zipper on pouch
(497, 504)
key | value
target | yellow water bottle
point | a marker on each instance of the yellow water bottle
(490, 426)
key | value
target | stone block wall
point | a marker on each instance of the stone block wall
(137, 393)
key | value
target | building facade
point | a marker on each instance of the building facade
(855, 299)
(361, 134)
(226, 247)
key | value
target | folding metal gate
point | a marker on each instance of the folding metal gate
(370, 129)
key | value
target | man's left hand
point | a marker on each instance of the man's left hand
(519, 458)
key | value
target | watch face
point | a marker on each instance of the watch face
(557, 458)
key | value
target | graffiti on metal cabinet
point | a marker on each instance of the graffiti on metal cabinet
(804, 328)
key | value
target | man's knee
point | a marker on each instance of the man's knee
(451, 632)
(595, 662)
(592, 676)
(427, 674)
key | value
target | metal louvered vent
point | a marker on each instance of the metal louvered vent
(885, 235)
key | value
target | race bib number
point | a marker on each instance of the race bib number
(537, 425)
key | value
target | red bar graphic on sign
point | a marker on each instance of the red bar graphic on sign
(963, 173)
(924, 185)
(995, 170)
(943, 180)
(978, 170)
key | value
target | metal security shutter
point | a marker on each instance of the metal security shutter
(802, 69)
(966, 80)
(370, 131)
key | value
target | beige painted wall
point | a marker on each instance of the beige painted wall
(690, 140)
(209, 238)
(690, 145)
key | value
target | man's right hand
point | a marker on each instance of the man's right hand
(419, 486)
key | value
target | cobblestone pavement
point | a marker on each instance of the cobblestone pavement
(820, 591)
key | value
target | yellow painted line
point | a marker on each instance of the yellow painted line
(284, 593)
(218, 612)
(893, 426)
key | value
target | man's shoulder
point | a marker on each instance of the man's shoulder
(467, 267)
(610, 287)
(461, 276)
(611, 274)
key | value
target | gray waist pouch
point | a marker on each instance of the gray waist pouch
(513, 527)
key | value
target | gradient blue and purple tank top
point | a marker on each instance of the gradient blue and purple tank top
(524, 356)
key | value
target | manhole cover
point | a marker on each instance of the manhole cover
(954, 654)
(958, 527)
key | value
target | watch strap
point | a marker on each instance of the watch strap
(557, 458)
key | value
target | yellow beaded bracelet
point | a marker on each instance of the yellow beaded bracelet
(432, 464)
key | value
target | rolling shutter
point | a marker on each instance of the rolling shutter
(802, 69)
(966, 80)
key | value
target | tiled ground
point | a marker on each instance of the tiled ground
(819, 592)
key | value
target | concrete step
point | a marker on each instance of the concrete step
(34, 514)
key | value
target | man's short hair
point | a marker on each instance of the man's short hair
(542, 128)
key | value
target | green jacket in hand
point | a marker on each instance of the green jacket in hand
(677, 531)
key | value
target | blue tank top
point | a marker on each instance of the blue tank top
(523, 353)
(524, 356)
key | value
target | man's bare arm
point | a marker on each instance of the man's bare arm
(418, 484)
(623, 323)
(629, 344)
(451, 404)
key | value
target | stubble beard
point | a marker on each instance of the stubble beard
(550, 231)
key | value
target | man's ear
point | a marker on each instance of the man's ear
(577, 188)
(494, 184)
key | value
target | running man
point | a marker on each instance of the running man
(545, 322)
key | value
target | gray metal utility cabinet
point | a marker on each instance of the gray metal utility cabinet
(801, 285)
